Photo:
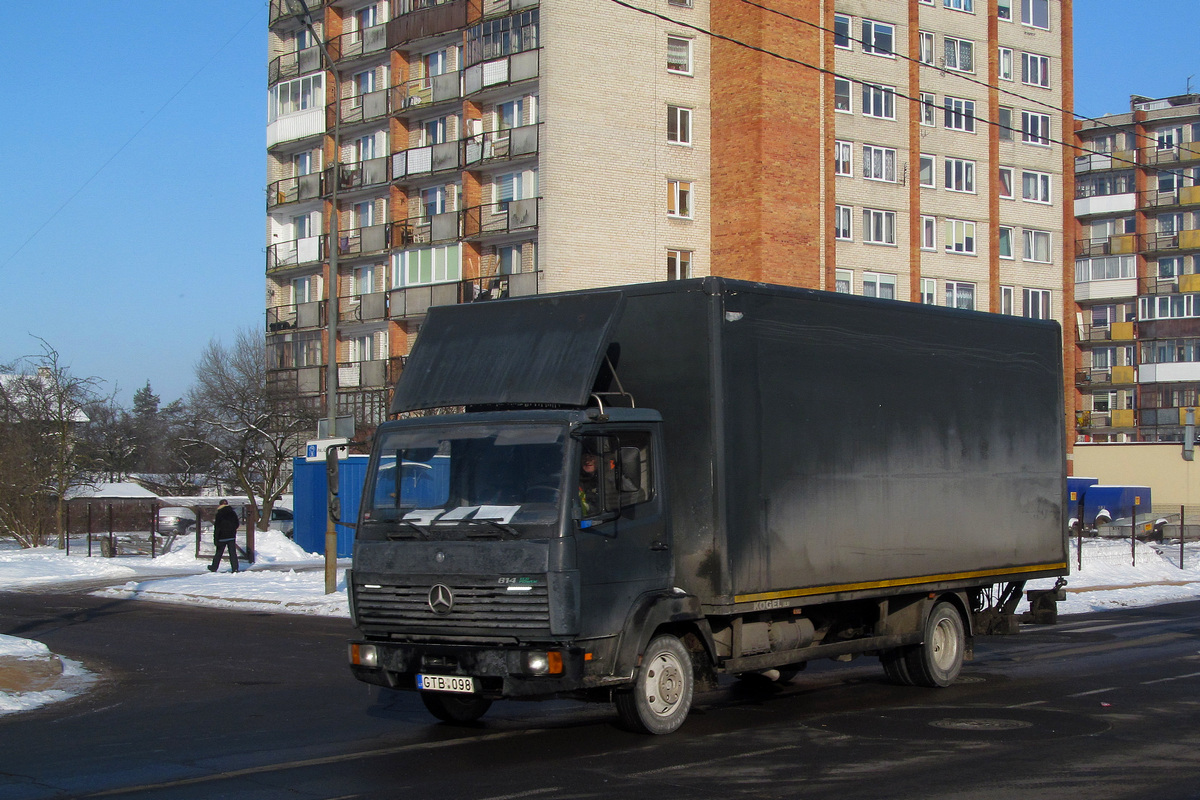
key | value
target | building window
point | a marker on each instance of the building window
(292, 97)
(679, 199)
(928, 291)
(877, 37)
(682, 3)
(679, 264)
(879, 101)
(1170, 267)
(1170, 180)
(1104, 268)
(842, 226)
(1035, 70)
(1037, 246)
(508, 259)
(928, 233)
(959, 54)
(879, 163)
(679, 55)
(843, 281)
(879, 285)
(960, 5)
(841, 32)
(841, 95)
(362, 280)
(1035, 128)
(1006, 183)
(842, 158)
(1004, 124)
(960, 175)
(1035, 303)
(416, 267)
(1168, 138)
(1036, 13)
(1006, 64)
(306, 289)
(1006, 300)
(879, 227)
(926, 47)
(960, 236)
(960, 114)
(926, 173)
(928, 109)
(1004, 10)
(960, 295)
(1006, 242)
(679, 125)
(1035, 187)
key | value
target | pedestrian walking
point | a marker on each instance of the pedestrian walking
(225, 525)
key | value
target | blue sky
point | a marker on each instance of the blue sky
(133, 197)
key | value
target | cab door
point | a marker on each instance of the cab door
(623, 538)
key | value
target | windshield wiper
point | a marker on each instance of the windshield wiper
(500, 526)
(421, 532)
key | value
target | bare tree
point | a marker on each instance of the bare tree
(41, 412)
(253, 432)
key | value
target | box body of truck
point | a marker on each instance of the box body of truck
(790, 475)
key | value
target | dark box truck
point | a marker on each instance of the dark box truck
(642, 488)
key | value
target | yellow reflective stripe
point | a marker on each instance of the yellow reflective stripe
(854, 587)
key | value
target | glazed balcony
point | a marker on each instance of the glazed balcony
(294, 64)
(363, 307)
(498, 219)
(293, 317)
(358, 108)
(294, 190)
(420, 94)
(295, 252)
(427, 160)
(413, 302)
(426, 18)
(505, 145)
(377, 373)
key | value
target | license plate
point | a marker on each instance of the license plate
(446, 683)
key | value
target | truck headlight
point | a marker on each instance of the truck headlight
(538, 662)
(364, 655)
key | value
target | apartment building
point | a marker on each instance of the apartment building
(484, 148)
(1137, 273)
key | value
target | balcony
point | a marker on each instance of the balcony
(493, 146)
(296, 317)
(427, 160)
(363, 174)
(1120, 244)
(1179, 154)
(420, 94)
(1089, 379)
(361, 241)
(426, 230)
(497, 219)
(1106, 204)
(293, 381)
(294, 64)
(414, 302)
(1184, 196)
(374, 374)
(357, 44)
(499, 8)
(285, 9)
(294, 190)
(363, 307)
(427, 18)
(1095, 162)
(360, 108)
(501, 72)
(295, 252)
(1169, 242)
(1112, 332)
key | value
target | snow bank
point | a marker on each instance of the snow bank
(74, 679)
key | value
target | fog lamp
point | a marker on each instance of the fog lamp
(544, 663)
(364, 655)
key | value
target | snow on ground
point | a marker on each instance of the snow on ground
(13, 651)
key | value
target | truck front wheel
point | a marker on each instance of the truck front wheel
(455, 708)
(937, 661)
(662, 689)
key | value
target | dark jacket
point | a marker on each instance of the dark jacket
(225, 524)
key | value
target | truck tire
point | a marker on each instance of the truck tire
(662, 689)
(455, 708)
(937, 660)
(895, 666)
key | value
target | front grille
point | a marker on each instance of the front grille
(477, 610)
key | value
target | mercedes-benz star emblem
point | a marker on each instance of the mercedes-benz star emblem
(441, 599)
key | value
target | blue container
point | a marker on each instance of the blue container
(1076, 490)
(1119, 501)
(310, 503)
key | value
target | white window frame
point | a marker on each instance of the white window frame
(967, 6)
(843, 223)
(1004, 10)
(1035, 70)
(679, 264)
(877, 281)
(929, 291)
(1036, 304)
(1007, 300)
(959, 291)
(296, 96)
(1006, 63)
(879, 222)
(925, 47)
(687, 64)
(1036, 184)
(362, 280)
(960, 237)
(1035, 128)
(870, 38)
(884, 95)
(1030, 16)
(1030, 240)
(679, 199)
(928, 110)
(931, 160)
(1008, 186)
(961, 111)
(843, 158)
(953, 50)
(849, 95)
(928, 233)
(960, 175)
(838, 19)
(843, 281)
(1010, 231)
(1004, 130)
(681, 118)
(879, 163)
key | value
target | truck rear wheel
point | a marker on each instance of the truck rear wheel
(937, 661)
(895, 666)
(662, 689)
(455, 708)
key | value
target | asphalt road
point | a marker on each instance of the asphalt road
(199, 703)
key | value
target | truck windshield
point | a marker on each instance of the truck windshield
(492, 479)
